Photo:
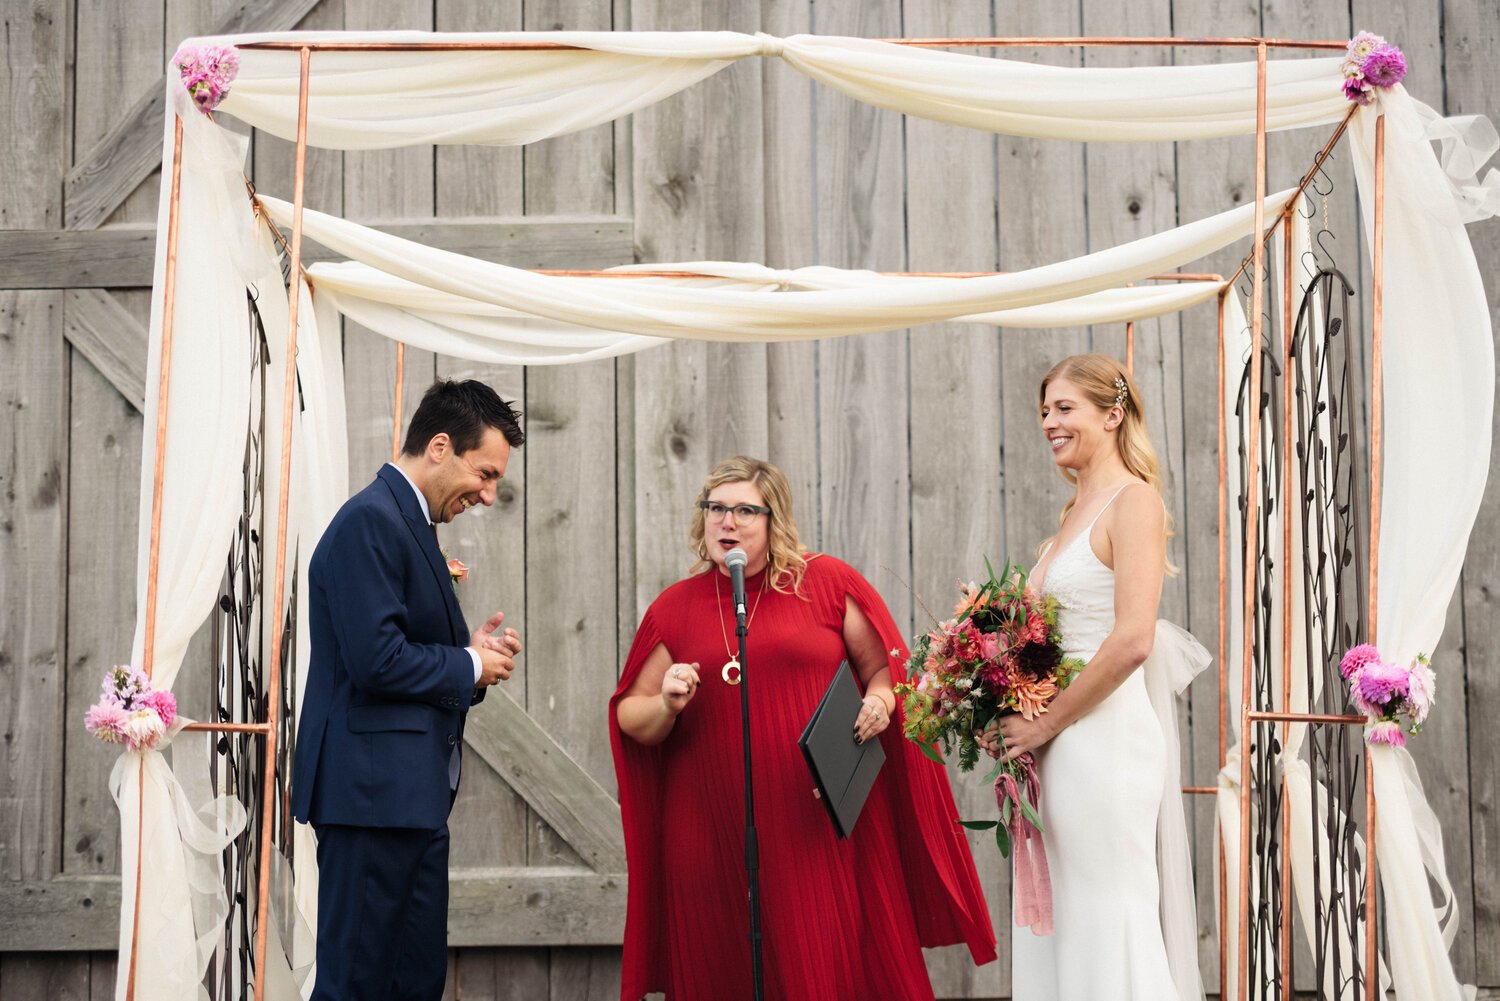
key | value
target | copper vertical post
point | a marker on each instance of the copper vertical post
(396, 420)
(1223, 635)
(1130, 348)
(1377, 408)
(1252, 503)
(153, 560)
(278, 632)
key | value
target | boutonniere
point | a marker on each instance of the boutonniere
(456, 569)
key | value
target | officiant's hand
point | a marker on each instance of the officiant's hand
(678, 686)
(873, 718)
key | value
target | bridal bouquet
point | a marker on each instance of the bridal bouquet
(130, 711)
(999, 654)
(1385, 692)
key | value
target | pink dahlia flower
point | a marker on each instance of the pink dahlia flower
(143, 729)
(1386, 731)
(107, 722)
(1385, 67)
(1357, 659)
(1421, 691)
(1380, 683)
(165, 704)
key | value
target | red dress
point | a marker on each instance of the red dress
(840, 919)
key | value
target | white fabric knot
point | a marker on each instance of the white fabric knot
(770, 45)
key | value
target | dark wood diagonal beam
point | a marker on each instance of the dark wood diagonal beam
(542, 773)
(122, 256)
(130, 151)
(114, 341)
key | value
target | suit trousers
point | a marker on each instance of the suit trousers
(382, 913)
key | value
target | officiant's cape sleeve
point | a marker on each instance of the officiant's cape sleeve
(935, 862)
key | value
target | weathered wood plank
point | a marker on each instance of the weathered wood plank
(487, 974)
(864, 408)
(790, 242)
(121, 256)
(1049, 176)
(54, 976)
(111, 338)
(514, 744)
(955, 408)
(117, 164)
(63, 913)
(696, 404)
(518, 905)
(1471, 76)
(571, 420)
(105, 456)
(1212, 175)
(492, 824)
(33, 547)
(536, 906)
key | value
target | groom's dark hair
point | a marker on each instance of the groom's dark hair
(462, 410)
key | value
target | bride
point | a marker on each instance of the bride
(1106, 750)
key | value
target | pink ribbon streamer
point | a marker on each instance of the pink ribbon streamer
(1033, 880)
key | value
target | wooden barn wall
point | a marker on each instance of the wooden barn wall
(911, 453)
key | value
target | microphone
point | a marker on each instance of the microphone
(735, 560)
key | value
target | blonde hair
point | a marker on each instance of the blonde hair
(787, 557)
(1105, 383)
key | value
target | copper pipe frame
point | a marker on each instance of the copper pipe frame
(261, 728)
(1252, 514)
(1240, 42)
(1323, 154)
(396, 407)
(153, 560)
(1199, 790)
(1223, 548)
(1377, 409)
(1130, 348)
(278, 634)
(1268, 717)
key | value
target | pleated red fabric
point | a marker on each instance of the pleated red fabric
(841, 919)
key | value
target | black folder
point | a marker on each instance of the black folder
(843, 769)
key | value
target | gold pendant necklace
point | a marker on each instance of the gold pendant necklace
(731, 671)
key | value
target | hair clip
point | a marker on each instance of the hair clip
(1122, 390)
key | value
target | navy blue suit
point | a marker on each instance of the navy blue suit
(382, 715)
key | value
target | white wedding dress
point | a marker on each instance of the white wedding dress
(1125, 928)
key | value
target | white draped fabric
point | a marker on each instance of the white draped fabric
(483, 331)
(1437, 335)
(375, 100)
(727, 314)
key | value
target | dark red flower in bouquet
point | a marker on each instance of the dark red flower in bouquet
(1037, 660)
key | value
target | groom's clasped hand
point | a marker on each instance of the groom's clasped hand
(497, 651)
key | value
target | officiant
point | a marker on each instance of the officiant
(842, 918)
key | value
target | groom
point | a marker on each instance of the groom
(393, 671)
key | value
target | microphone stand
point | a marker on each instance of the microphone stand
(752, 847)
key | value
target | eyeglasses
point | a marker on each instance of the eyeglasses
(744, 514)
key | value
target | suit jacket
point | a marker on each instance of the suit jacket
(389, 680)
